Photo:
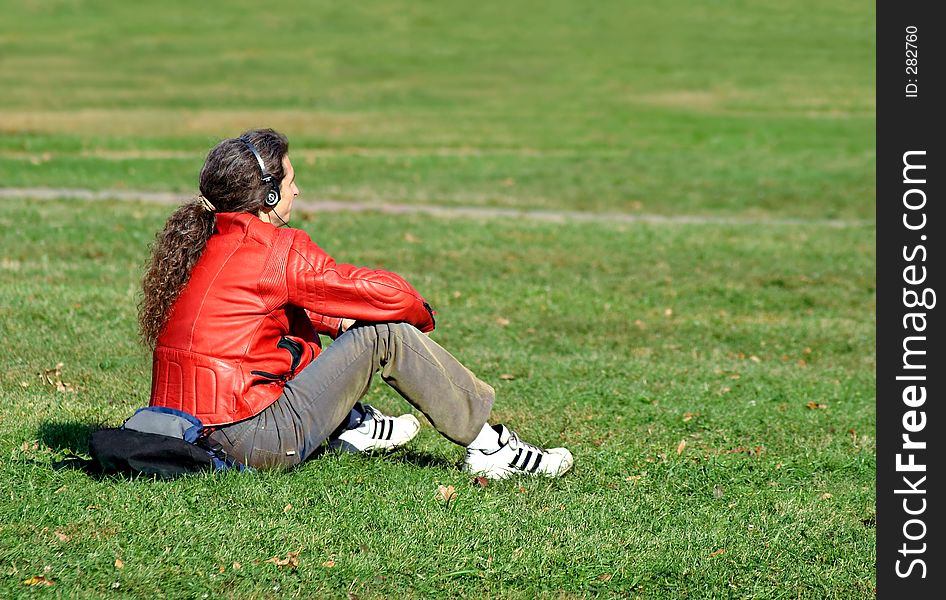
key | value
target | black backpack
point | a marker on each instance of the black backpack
(158, 442)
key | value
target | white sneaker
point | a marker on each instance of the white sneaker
(377, 431)
(515, 457)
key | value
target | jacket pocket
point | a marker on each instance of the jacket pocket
(296, 350)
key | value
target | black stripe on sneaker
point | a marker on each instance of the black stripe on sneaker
(526, 460)
(378, 430)
(385, 427)
(538, 461)
(515, 460)
(390, 429)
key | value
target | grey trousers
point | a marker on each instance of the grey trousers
(320, 398)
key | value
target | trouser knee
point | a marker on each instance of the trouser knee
(396, 328)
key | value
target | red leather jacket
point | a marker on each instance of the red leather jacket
(249, 318)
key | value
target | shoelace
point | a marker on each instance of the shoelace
(383, 424)
(371, 414)
(514, 443)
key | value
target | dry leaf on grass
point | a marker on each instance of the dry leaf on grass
(236, 566)
(480, 481)
(328, 564)
(62, 537)
(446, 493)
(718, 552)
(605, 577)
(681, 446)
(825, 496)
(507, 376)
(119, 563)
(502, 321)
(38, 580)
(287, 508)
(291, 560)
(53, 377)
(813, 405)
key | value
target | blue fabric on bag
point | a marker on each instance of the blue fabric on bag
(161, 420)
(165, 421)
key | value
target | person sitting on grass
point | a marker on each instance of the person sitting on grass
(233, 304)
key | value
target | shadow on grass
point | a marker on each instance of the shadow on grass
(422, 459)
(411, 457)
(70, 436)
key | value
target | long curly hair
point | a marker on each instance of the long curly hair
(230, 181)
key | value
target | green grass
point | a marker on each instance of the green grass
(623, 341)
(706, 108)
(754, 345)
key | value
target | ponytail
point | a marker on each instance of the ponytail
(173, 255)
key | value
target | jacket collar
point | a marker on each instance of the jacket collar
(235, 222)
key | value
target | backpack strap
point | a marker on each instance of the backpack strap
(221, 460)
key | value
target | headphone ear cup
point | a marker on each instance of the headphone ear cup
(272, 198)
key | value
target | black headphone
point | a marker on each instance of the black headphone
(272, 196)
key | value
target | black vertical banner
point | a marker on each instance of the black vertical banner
(911, 269)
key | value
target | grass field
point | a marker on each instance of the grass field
(714, 381)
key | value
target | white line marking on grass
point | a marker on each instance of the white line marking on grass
(481, 212)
